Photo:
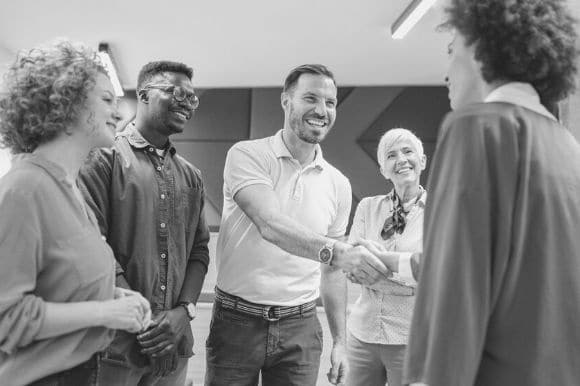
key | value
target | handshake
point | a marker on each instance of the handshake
(365, 261)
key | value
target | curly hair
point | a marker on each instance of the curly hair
(46, 89)
(530, 41)
(151, 69)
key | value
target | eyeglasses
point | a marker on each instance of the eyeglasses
(179, 93)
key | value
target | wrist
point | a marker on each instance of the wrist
(339, 249)
(100, 314)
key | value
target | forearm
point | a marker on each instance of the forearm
(194, 276)
(333, 291)
(292, 236)
(64, 318)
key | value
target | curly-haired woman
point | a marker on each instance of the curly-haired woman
(58, 303)
(498, 300)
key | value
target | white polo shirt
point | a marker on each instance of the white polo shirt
(318, 196)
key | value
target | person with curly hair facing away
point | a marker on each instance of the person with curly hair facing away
(58, 301)
(498, 300)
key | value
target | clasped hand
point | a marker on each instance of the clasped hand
(160, 341)
(165, 331)
(366, 263)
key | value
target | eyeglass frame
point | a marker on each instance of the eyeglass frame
(166, 87)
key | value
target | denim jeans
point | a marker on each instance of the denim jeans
(84, 374)
(115, 372)
(240, 346)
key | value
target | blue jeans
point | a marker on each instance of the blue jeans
(240, 346)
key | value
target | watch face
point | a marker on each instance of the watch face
(325, 254)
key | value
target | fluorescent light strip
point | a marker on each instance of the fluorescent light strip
(410, 16)
(108, 63)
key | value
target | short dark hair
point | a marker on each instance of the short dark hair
(315, 69)
(530, 41)
(153, 68)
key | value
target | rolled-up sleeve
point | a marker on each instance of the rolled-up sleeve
(21, 312)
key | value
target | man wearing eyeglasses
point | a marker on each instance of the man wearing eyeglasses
(150, 205)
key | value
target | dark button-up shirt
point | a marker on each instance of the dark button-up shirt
(150, 208)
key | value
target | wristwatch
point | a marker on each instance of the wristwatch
(190, 308)
(326, 253)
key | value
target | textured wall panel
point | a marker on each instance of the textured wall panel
(223, 115)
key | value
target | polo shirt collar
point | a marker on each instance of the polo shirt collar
(281, 151)
(521, 94)
(137, 140)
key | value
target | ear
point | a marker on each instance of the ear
(384, 174)
(143, 97)
(423, 162)
(284, 100)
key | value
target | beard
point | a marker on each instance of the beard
(298, 126)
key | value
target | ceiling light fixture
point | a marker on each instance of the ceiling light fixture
(410, 16)
(105, 54)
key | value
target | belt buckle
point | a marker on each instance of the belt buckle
(266, 314)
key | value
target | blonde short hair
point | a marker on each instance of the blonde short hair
(393, 136)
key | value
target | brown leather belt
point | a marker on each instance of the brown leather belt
(270, 313)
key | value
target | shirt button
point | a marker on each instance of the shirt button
(151, 149)
(163, 196)
(163, 255)
(162, 225)
(158, 168)
(162, 288)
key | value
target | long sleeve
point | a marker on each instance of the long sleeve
(200, 250)
(21, 312)
(466, 244)
(94, 181)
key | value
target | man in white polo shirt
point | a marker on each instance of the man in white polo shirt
(285, 207)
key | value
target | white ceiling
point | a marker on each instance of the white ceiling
(232, 43)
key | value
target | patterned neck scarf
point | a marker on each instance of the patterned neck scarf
(396, 222)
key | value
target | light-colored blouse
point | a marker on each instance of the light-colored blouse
(50, 251)
(382, 313)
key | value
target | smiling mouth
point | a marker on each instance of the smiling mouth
(112, 125)
(317, 122)
(404, 170)
(182, 115)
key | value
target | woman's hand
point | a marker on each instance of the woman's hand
(129, 311)
(388, 258)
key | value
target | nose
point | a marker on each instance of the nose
(401, 159)
(116, 115)
(320, 109)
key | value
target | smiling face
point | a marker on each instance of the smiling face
(100, 115)
(403, 164)
(310, 107)
(464, 79)
(163, 112)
